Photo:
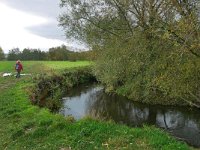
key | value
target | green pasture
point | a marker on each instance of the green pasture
(35, 66)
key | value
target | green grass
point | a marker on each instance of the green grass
(35, 66)
(66, 64)
(24, 126)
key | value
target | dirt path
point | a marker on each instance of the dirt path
(7, 82)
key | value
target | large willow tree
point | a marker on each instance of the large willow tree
(147, 50)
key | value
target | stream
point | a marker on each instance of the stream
(91, 100)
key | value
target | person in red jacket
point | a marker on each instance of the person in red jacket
(18, 68)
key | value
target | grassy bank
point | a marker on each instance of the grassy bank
(49, 89)
(24, 126)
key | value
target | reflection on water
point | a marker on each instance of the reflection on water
(183, 123)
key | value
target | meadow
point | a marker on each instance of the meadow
(25, 126)
(34, 66)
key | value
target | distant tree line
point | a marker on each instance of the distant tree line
(26, 54)
(62, 53)
(55, 53)
(2, 55)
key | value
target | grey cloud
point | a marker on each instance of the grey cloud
(50, 30)
(46, 8)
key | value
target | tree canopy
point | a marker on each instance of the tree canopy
(147, 50)
(96, 21)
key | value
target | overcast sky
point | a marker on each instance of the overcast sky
(31, 24)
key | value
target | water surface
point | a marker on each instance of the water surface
(182, 122)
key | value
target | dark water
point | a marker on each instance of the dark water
(182, 122)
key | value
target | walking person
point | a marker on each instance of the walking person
(18, 68)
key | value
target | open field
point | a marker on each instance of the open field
(33, 66)
(24, 126)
